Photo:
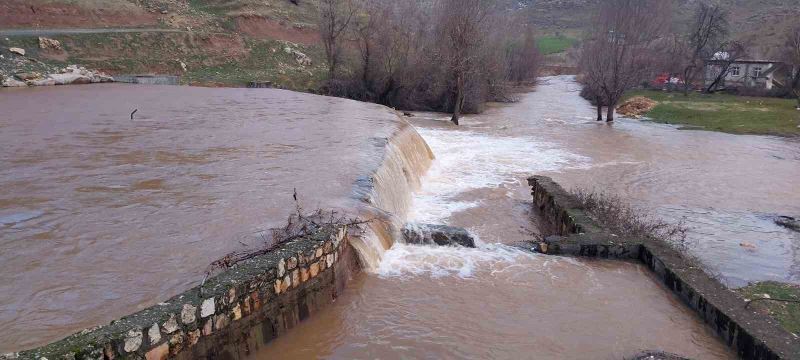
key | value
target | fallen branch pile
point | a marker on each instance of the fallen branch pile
(298, 226)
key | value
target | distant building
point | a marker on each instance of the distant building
(747, 73)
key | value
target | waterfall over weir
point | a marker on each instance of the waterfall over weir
(388, 193)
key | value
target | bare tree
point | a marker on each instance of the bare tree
(707, 35)
(436, 55)
(463, 28)
(522, 54)
(334, 18)
(622, 52)
(792, 50)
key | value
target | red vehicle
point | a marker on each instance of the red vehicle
(664, 81)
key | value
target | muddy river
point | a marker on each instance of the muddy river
(101, 215)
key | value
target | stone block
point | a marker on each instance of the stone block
(188, 314)
(207, 308)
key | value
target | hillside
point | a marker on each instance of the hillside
(231, 42)
(761, 23)
(207, 42)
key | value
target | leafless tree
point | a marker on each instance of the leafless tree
(334, 18)
(463, 30)
(707, 35)
(522, 54)
(792, 57)
(622, 52)
(437, 55)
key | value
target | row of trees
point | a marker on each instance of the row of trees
(633, 40)
(438, 55)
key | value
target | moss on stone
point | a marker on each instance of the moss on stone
(787, 313)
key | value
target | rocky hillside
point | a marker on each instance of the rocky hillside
(207, 42)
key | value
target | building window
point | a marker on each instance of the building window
(757, 72)
(734, 71)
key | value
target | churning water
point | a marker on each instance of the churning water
(101, 215)
(497, 300)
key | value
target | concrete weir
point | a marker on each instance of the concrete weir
(233, 314)
(573, 232)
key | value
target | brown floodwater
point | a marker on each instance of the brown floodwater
(101, 215)
(515, 305)
(499, 300)
(726, 189)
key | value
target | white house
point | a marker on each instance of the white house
(760, 74)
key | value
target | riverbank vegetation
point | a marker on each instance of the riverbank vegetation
(622, 219)
(779, 300)
(723, 112)
(439, 55)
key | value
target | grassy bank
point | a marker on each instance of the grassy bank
(725, 113)
(787, 313)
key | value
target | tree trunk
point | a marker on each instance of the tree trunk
(459, 99)
(723, 73)
(599, 111)
(610, 113)
(796, 87)
(332, 68)
(457, 110)
(687, 82)
(797, 95)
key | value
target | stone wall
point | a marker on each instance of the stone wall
(148, 79)
(573, 232)
(231, 316)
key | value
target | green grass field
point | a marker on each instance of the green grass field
(554, 44)
(725, 113)
(788, 314)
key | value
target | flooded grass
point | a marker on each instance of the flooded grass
(725, 113)
(787, 313)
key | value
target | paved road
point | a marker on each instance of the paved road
(49, 32)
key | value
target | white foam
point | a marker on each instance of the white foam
(466, 160)
(404, 260)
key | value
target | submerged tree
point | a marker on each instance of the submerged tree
(624, 48)
(463, 29)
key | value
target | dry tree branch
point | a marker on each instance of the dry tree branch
(299, 225)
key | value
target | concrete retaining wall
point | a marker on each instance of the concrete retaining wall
(233, 314)
(574, 232)
(148, 79)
